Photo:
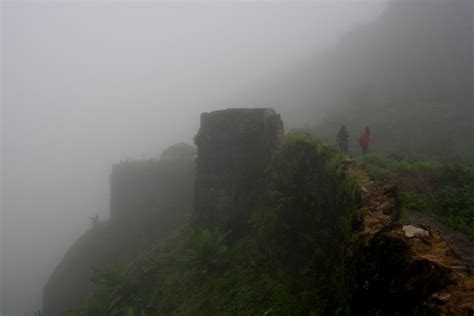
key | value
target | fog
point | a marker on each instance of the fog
(87, 84)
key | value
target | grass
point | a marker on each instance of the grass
(444, 189)
(291, 261)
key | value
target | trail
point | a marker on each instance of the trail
(432, 267)
(462, 246)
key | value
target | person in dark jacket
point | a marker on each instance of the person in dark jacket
(343, 139)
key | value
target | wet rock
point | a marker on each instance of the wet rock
(413, 231)
(386, 274)
(364, 195)
(441, 297)
(395, 269)
(148, 199)
(234, 148)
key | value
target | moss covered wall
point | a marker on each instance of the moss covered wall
(234, 148)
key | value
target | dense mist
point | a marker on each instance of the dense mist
(86, 84)
(408, 74)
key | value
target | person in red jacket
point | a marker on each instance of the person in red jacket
(364, 141)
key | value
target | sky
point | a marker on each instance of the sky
(86, 84)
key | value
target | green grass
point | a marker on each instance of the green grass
(444, 189)
(291, 262)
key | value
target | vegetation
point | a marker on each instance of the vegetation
(149, 199)
(291, 261)
(291, 258)
(408, 101)
(179, 151)
(441, 188)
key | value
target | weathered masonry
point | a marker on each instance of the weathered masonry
(234, 148)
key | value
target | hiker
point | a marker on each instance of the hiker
(343, 139)
(364, 141)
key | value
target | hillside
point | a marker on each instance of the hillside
(275, 224)
(266, 249)
(149, 199)
(316, 236)
(408, 75)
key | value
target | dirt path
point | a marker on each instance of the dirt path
(429, 269)
(463, 247)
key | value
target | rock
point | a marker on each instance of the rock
(234, 148)
(442, 297)
(387, 274)
(392, 272)
(348, 163)
(413, 231)
(390, 191)
(364, 194)
(148, 199)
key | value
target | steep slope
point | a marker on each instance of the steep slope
(286, 258)
(149, 198)
(98, 247)
(320, 238)
(409, 77)
(402, 268)
(407, 74)
(460, 243)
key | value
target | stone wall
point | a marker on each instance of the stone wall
(149, 198)
(234, 148)
(148, 193)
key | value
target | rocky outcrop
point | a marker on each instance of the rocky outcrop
(148, 199)
(395, 268)
(462, 245)
(234, 147)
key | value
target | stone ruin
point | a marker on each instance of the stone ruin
(148, 199)
(234, 148)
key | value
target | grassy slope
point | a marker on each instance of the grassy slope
(441, 188)
(290, 262)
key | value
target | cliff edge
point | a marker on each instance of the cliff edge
(402, 268)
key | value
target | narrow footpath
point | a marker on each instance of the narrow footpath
(420, 263)
(462, 246)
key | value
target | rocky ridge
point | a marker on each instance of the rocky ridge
(401, 268)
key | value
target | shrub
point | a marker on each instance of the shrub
(207, 245)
